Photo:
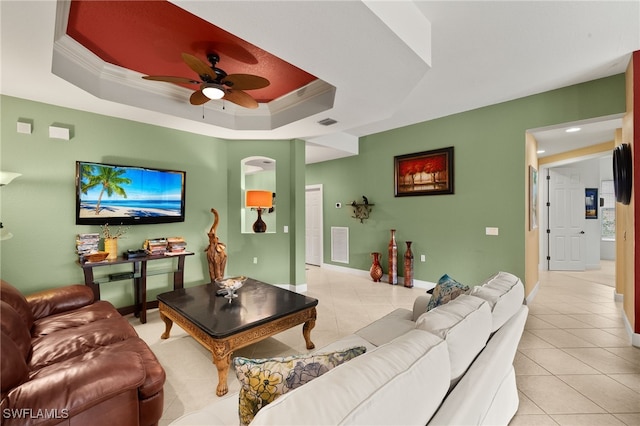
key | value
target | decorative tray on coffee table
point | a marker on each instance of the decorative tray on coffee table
(231, 285)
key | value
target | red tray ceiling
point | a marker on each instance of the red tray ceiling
(150, 36)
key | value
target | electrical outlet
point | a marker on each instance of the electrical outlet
(255, 260)
(423, 258)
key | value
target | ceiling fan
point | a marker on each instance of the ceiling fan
(215, 83)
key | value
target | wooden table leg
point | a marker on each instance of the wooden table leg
(168, 323)
(88, 281)
(143, 292)
(306, 332)
(222, 360)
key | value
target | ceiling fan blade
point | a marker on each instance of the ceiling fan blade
(199, 66)
(198, 98)
(170, 79)
(241, 98)
(245, 81)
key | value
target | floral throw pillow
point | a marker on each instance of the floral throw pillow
(445, 291)
(264, 380)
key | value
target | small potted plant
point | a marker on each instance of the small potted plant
(111, 239)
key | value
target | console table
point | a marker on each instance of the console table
(139, 277)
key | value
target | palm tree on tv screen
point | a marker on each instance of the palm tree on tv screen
(110, 179)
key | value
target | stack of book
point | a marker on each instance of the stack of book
(86, 244)
(156, 246)
(176, 245)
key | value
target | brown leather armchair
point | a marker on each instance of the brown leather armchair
(67, 359)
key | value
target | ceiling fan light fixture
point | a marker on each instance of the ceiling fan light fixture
(213, 91)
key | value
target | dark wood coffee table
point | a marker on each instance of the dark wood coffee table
(260, 311)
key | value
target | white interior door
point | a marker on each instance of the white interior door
(567, 246)
(313, 228)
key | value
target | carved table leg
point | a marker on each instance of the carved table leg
(222, 362)
(168, 323)
(306, 332)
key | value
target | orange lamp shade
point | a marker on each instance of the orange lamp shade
(257, 199)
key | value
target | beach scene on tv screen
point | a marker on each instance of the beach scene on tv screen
(112, 191)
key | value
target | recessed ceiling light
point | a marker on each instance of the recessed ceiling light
(540, 151)
(573, 129)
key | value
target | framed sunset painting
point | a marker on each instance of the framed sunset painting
(424, 173)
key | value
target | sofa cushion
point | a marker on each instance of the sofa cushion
(505, 294)
(465, 324)
(487, 393)
(13, 368)
(388, 327)
(264, 380)
(154, 377)
(14, 327)
(446, 290)
(55, 300)
(68, 343)
(410, 374)
(13, 297)
(86, 315)
(104, 386)
(420, 306)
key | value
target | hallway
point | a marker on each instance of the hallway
(575, 364)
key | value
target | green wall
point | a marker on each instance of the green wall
(39, 206)
(277, 259)
(489, 167)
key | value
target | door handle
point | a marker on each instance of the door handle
(582, 232)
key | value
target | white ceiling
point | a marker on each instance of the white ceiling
(393, 63)
(556, 139)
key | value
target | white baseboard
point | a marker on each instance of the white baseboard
(300, 288)
(427, 285)
(635, 337)
(533, 294)
(618, 297)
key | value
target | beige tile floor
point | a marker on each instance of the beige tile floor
(575, 365)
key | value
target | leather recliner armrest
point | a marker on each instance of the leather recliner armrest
(420, 305)
(62, 299)
(72, 390)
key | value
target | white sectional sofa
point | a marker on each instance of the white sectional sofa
(452, 365)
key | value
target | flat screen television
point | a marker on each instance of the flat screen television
(116, 194)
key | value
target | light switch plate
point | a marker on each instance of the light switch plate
(491, 231)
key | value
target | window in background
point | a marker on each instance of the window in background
(608, 210)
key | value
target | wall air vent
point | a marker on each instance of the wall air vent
(340, 244)
(327, 122)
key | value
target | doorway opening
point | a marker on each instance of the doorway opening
(575, 173)
(313, 225)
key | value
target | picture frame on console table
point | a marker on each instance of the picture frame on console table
(424, 173)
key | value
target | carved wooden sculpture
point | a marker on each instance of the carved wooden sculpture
(216, 254)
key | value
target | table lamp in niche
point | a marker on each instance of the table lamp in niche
(258, 199)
